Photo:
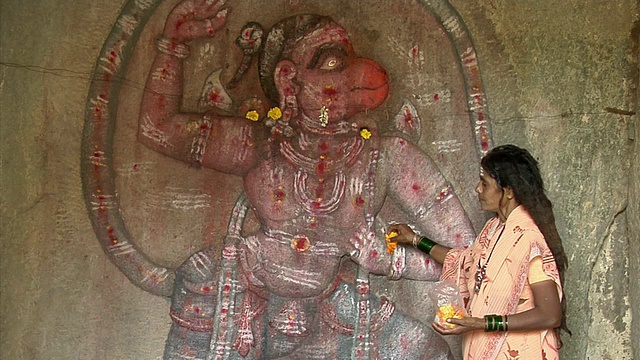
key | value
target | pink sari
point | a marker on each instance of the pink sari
(505, 285)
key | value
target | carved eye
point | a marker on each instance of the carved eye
(331, 62)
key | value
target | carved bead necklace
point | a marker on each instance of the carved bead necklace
(481, 272)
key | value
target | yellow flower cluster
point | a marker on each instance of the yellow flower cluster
(275, 113)
(449, 311)
(366, 134)
(252, 115)
(391, 245)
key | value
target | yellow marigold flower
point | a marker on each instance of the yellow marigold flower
(391, 245)
(365, 133)
(275, 113)
(448, 311)
(252, 115)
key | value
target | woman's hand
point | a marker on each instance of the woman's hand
(195, 19)
(461, 326)
(404, 233)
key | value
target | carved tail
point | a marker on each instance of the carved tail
(96, 163)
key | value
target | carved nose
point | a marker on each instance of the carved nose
(368, 74)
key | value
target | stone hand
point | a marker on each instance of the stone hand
(371, 252)
(195, 19)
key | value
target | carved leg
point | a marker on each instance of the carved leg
(393, 334)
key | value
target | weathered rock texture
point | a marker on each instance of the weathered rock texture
(561, 79)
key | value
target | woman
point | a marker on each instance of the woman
(511, 278)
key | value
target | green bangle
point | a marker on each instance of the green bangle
(494, 323)
(500, 322)
(425, 245)
(488, 323)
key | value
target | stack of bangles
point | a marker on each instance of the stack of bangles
(423, 244)
(496, 323)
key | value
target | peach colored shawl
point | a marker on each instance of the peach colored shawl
(505, 285)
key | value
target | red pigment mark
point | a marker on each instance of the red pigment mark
(373, 254)
(427, 261)
(301, 244)
(480, 116)
(436, 97)
(359, 201)
(401, 142)
(206, 289)
(408, 118)
(416, 187)
(284, 71)
(136, 167)
(321, 168)
(323, 146)
(329, 91)
(215, 97)
(278, 195)
(458, 237)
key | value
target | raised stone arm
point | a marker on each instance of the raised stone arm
(194, 138)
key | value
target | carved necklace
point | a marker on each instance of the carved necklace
(481, 272)
(350, 150)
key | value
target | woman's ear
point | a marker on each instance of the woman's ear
(284, 76)
(509, 193)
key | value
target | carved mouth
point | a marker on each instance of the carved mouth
(369, 88)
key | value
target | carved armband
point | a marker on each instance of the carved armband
(172, 48)
(199, 143)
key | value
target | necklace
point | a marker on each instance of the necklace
(481, 273)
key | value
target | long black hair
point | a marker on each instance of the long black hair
(515, 168)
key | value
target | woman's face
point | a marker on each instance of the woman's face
(329, 74)
(489, 193)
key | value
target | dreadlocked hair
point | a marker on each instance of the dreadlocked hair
(272, 46)
(515, 168)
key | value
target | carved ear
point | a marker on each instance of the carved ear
(284, 75)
